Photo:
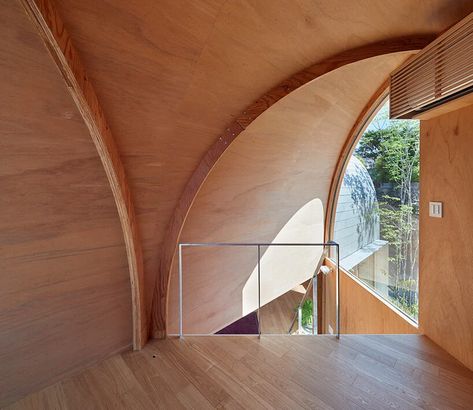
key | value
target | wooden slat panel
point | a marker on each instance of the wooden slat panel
(438, 73)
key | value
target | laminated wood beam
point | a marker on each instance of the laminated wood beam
(58, 42)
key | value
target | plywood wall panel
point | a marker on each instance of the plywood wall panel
(65, 298)
(446, 256)
(361, 310)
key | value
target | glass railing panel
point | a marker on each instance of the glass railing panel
(286, 273)
(245, 288)
(219, 290)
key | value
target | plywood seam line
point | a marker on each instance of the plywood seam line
(195, 182)
(58, 42)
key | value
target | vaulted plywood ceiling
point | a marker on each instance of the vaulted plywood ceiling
(170, 77)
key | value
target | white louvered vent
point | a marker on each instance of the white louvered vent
(441, 72)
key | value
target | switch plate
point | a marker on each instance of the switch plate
(436, 209)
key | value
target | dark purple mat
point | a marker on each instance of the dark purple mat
(247, 325)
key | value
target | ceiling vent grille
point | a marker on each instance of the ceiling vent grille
(441, 72)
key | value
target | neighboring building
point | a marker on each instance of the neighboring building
(357, 228)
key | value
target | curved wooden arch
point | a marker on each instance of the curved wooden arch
(364, 119)
(58, 42)
(174, 229)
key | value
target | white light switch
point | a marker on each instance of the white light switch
(435, 209)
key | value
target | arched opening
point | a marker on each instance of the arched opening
(377, 211)
(279, 163)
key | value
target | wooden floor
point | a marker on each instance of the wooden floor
(277, 316)
(290, 372)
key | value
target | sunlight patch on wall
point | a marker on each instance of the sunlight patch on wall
(284, 267)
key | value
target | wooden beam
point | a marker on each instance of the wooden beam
(54, 35)
(160, 298)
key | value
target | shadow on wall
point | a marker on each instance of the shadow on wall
(220, 284)
(357, 216)
(363, 195)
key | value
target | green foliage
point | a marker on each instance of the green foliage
(409, 284)
(411, 310)
(391, 151)
(397, 226)
(307, 313)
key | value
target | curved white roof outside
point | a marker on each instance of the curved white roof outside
(357, 217)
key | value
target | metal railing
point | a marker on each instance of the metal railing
(324, 245)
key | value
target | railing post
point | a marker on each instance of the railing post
(325, 246)
(314, 301)
(259, 291)
(180, 290)
(299, 319)
(338, 290)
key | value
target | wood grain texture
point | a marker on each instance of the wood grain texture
(447, 107)
(276, 317)
(297, 372)
(361, 310)
(172, 76)
(58, 42)
(239, 125)
(169, 77)
(272, 185)
(445, 282)
(65, 299)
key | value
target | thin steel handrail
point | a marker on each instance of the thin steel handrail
(258, 245)
(331, 243)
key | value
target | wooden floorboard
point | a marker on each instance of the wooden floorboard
(287, 372)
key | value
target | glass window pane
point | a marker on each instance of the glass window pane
(377, 218)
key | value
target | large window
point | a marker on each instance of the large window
(377, 214)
